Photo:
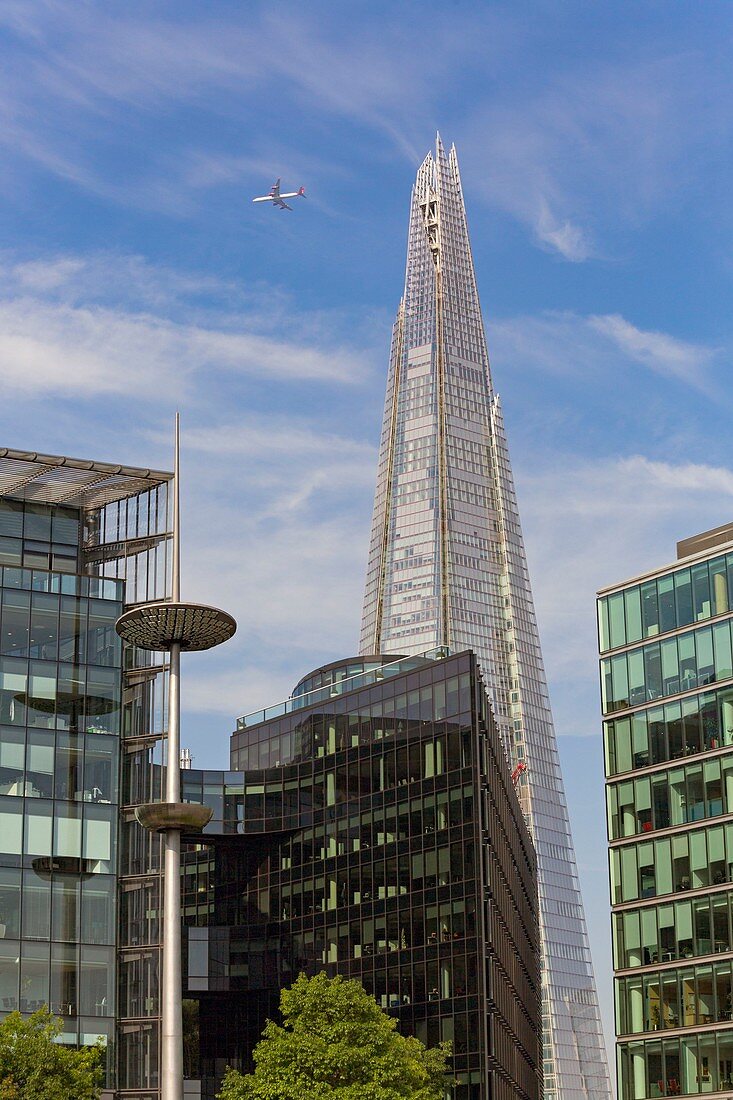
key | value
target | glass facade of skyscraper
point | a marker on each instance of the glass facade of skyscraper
(447, 567)
(667, 697)
(374, 832)
(61, 719)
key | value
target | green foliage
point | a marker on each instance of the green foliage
(34, 1067)
(337, 1044)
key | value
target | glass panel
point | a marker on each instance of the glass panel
(34, 976)
(701, 591)
(623, 743)
(688, 663)
(603, 626)
(637, 691)
(722, 648)
(667, 617)
(670, 667)
(649, 609)
(38, 827)
(653, 670)
(616, 619)
(632, 604)
(640, 739)
(719, 586)
(9, 904)
(683, 597)
(705, 664)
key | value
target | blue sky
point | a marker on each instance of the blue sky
(137, 277)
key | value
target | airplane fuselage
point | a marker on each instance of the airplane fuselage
(276, 197)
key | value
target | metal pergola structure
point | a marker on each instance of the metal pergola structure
(55, 479)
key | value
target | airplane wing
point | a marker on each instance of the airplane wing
(282, 205)
(275, 192)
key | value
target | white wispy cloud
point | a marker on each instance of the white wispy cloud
(112, 61)
(54, 341)
(559, 152)
(295, 504)
(591, 523)
(597, 146)
(665, 354)
(55, 348)
(571, 241)
(570, 345)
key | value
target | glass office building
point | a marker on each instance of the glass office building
(372, 831)
(447, 566)
(667, 696)
(69, 540)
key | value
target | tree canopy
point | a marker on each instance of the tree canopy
(35, 1067)
(336, 1043)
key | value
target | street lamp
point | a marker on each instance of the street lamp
(173, 627)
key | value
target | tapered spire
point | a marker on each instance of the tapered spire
(447, 567)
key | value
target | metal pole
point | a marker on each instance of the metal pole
(171, 1009)
(176, 566)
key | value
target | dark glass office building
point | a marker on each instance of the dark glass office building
(370, 829)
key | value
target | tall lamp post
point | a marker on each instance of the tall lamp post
(173, 627)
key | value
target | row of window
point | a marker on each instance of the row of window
(402, 977)
(43, 580)
(664, 933)
(385, 878)
(44, 764)
(139, 1054)
(693, 1065)
(391, 767)
(38, 555)
(53, 627)
(45, 694)
(677, 796)
(688, 861)
(362, 723)
(653, 671)
(688, 997)
(71, 980)
(320, 735)
(373, 830)
(56, 906)
(41, 830)
(669, 732)
(375, 686)
(666, 603)
(44, 522)
(331, 676)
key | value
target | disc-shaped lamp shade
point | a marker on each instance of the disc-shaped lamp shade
(186, 816)
(158, 626)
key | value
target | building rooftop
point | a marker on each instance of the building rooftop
(707, 540)
(55, 479)
(696, 547)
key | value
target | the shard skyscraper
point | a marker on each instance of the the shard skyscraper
(447, 568)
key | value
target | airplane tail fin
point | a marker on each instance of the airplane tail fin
(301, 192)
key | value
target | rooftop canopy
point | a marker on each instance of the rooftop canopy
(53, 479)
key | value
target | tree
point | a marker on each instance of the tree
(337, 1044)
(35, 1067)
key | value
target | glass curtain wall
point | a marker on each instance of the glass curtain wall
(388, 846)
(668, 742)
(60, 712)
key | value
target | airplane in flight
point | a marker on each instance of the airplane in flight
(277, 199)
